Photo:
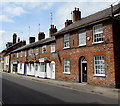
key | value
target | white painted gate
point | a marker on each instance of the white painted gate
(52, 67)
(48, 70)
(42, 70)
(36, 65)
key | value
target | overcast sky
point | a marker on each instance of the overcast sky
(23, 17)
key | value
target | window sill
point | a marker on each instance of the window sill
(52, 51)
(82, 45)
(99, 75)
(97, 42)
(66, 48)
(66, 73)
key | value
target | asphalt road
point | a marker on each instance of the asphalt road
(19, 90)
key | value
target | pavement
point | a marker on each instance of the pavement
(82, 87)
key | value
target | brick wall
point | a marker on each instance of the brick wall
(88, 51)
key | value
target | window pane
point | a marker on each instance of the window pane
(99, 65)
(67, 65)
(82, 38)
(66, 40)
(98, 33)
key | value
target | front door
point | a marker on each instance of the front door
(83, 69)
(84, 72)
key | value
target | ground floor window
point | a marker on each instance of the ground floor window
(67, 65)
(99, 69)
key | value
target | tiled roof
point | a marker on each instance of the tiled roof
(99, 16)
(35, 44)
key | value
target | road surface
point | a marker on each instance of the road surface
(19, 90)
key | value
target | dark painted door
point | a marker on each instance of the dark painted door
(84, 72)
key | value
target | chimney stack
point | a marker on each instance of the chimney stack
(41, 36)
(76, 15)
(14, 38)
(18, 39)
(68, 22)
(24, 42)
(52, 30)
(31, 39)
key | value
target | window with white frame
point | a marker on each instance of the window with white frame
(66, 41)
(21, 54)
(98, 33)
(25, 53)
(44, 49)
(36, 51)
(82, 37)
(99, 69)
(31, 51)
(17, 55)
(67, 65)
(53, 47)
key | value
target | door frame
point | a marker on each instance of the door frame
(82, 61)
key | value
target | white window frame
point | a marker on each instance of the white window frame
(36, 51)
(66, 66)
(25, 53)
(52, 47)
(99, 65)
(44, 49)
(98, 34)
(17, 55)
(82, 37)
(21, 54)
(66, 41)
(31, 51)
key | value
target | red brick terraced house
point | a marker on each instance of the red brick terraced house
(88, 48)
(10, 46)
(36, 58)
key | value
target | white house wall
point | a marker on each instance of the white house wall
(21, 71)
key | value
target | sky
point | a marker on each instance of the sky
(27, 17)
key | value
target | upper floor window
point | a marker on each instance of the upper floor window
(98, 33)
(21, 54)
(36, 51)
(31, 51)
(44, 49)
(99, 69)
(67, 65)
(14, 54)
(17, 55)
(25, 53)
(53, 47)
(82, 37)
(66, 41)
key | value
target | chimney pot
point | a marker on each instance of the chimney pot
(76, 14)
(41, 35)
(68, 22)
(52, 30)
(14, 38)
(31, 39)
